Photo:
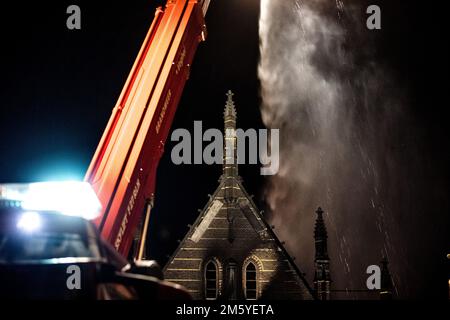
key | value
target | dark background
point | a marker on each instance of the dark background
(58, 88)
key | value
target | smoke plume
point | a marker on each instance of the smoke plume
(342, 130)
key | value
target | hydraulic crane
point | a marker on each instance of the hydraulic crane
(123, 169)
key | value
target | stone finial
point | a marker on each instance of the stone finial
(230, 109)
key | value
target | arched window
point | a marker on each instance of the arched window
(211, 280)
(250, 282)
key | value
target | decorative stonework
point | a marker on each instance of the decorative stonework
(259, 269)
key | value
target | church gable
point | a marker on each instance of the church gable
(230, 252)
(235, 232)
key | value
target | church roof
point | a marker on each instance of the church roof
(216, 206)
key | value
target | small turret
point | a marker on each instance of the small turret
(387, 288)
(322, 278)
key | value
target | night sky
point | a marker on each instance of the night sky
(58, 88)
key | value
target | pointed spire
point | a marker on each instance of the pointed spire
(322, 277)
(320, 235)
(230, 109)
(387, 287)
(230, 167)
(320, 230)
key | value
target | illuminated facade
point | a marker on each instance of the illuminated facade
(231, 252)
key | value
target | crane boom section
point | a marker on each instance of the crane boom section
(123, 169)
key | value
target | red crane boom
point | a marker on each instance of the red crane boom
(123, 169)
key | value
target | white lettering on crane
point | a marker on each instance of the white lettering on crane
(180, 63)
(163, 111)
(124, 224)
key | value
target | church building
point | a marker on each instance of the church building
(231, 252)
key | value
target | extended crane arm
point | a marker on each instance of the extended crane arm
(123, 169)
